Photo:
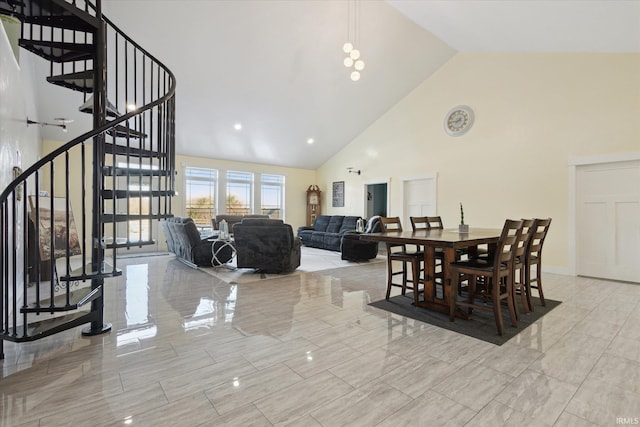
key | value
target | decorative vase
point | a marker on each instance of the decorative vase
(463, 228)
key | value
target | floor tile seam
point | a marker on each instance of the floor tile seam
(546, 374)
(568, 402)
(163, 369)
(622, 390)
(567, 406)
(352, 388)
(363, 398)
(477, 412)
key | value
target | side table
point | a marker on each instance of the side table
(220, 248)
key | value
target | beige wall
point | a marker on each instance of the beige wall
(532, 113)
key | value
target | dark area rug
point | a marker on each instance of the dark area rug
(482, 324)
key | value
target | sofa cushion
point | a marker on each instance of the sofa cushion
(348, 224)
(331, 241)
(335, 222)
(321, 223)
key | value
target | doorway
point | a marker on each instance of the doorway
(607, 220)
(419, 196)
(376, 199)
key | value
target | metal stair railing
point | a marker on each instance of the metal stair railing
(55, 215)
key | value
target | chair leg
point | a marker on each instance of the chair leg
(389, 278)
(404, 278)
(524, 294)
(415, 269)
(527, 284)
(497, 310)
(511, 302)
(539, 282)
(454, 282)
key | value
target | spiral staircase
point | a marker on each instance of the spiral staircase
(63, 220)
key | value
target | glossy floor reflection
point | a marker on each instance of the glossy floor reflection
(187, 349)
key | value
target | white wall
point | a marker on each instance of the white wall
(19, 145)
(533, 113)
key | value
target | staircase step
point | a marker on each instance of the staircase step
(120, 131)
(123, 217)
(87, 107)
(58, 51)
(123, 150)
(117, 171)
(9, 7)
(47, 327)
(81, 81)
(57, 14)
(125, 194)
(77, 298)
(121, 242)
(107, 270)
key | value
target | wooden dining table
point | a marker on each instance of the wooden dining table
(451, 242)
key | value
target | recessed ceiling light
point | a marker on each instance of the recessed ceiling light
(131, 107)
(237, 126)
(310, 141)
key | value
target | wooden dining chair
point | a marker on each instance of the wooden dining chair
(534, 259)
(400, 253)
(519, 267)
(498, 272)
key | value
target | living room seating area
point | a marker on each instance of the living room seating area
(338, 233)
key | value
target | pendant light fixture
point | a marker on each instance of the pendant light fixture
(353, 61)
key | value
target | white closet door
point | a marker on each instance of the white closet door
(608, 220)
(419, 199)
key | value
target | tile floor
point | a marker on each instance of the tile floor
(187, 349)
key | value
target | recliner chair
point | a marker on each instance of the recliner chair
(267, 245)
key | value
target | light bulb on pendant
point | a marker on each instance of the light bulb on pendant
(355, 76)
(348, 62)
(354, 54)
(347, 47)
(359, 65)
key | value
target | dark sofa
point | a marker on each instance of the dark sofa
(183, 239)
(267, 245)
(328, 232)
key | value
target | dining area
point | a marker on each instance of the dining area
(459, 273)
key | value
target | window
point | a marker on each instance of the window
(239, 194)
(272, 195)
(200, 195)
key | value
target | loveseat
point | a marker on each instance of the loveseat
(354, 249)
(268, 245)
(233, 219)
(328, 231)
(183, 239)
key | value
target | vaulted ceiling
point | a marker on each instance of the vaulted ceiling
(276, 66)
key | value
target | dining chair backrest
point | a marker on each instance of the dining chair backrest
(507, 244)
(419, 223)
(435, 222)
(522, 246)
(391, 224)
(537, 239)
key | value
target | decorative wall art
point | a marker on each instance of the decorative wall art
(61, 236)
(338, 194)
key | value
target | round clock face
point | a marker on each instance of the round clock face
(313, 199)
(458, 120)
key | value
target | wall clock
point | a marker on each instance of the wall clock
(313, 204)
(458, 120)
